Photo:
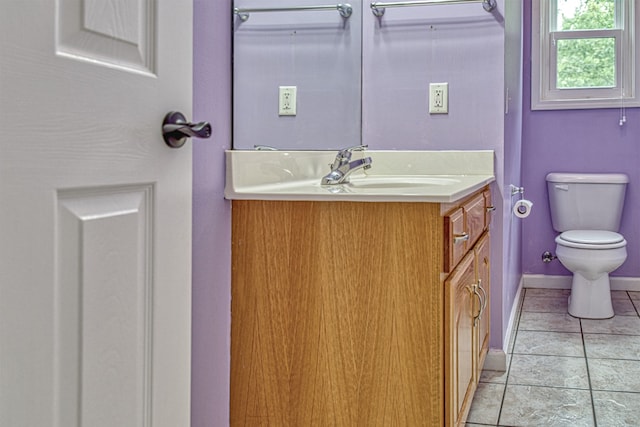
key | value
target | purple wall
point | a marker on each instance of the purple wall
(574, 141)
(211, 217)
(512, 227)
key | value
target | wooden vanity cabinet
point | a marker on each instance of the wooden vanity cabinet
(467, 311)
(339, 314)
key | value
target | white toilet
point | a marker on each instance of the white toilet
(586, 209)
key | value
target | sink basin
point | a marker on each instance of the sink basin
(396, 176)
(401, 181)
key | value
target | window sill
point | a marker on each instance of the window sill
(583, 104)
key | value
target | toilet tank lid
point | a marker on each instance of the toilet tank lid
(604, 178)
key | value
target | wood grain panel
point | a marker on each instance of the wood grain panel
(337, 315)
(474, 210)
(459, 316)
(454, 250)
(489, 208)
(483, 253)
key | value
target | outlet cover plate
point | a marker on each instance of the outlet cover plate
(438, 98)
(287, 100)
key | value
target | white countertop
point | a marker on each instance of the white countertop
(395, 176)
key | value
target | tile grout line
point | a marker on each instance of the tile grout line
(586, 362)
(633, 304)
(583, 333)
(510, 353)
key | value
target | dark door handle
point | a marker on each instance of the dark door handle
(176, 129)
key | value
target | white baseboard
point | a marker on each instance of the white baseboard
(497, 358)
(513, 317)
(564, 282)
(625, 283)
(544, 281)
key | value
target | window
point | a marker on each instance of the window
(583, 54)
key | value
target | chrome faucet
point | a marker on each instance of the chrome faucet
(342, 166)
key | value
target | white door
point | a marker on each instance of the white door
(95, 213)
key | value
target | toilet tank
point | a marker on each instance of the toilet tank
(586, 201)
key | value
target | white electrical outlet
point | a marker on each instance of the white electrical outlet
(438, 98)
(287, 100)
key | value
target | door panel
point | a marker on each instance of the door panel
(95, 245)
(103, 306)
(114, 33)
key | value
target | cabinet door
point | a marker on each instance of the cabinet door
(459, 366)
(455, 245)
(489, 208)
(316, 343)
(483, 278)
(474, 211)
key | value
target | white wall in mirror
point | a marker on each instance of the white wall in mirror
(318, 52)
(365, 79)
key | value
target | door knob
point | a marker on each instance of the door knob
(176, 129)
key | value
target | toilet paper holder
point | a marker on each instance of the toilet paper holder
(522, 207)
(517, 190)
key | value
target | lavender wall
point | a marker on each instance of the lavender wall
(512, 227)
(211, 217)
(574, 141)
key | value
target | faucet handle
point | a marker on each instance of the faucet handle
(346, 152)
(344, 156)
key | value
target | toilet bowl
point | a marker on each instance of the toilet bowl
(591, 255)
(587, 209)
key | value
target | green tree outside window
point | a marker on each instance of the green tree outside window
(587, 62)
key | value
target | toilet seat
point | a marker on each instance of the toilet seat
(591, 239)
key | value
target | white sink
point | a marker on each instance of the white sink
(405, 176)
(399, 181)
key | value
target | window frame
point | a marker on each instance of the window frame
(544, 93)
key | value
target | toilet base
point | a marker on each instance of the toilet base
(590, 299)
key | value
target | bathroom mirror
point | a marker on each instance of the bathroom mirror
(296, 74)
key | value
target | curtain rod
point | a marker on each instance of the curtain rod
(378, 8)
(344, 10)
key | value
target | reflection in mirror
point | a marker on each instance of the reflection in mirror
(296, 75)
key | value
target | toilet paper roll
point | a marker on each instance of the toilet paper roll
(522, 208)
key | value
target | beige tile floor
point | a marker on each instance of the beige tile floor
(565, 371)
